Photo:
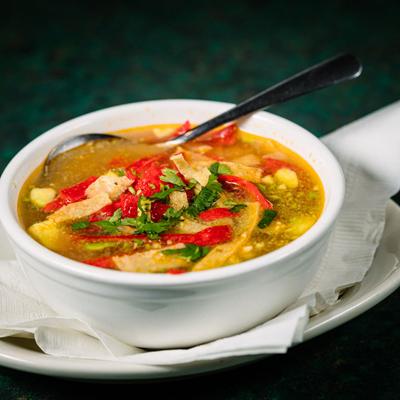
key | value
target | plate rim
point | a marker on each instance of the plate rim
(95, 370)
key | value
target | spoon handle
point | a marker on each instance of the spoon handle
(326, 73)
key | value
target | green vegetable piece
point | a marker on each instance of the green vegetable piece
(171, 176)
(218, 168)
(267, 218)
(163, 194)
(237, 207)
(99, 246)
(77, 226)
(107, 226)
(206, 198)
(191, 252)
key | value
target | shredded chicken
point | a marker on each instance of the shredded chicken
(110, 184)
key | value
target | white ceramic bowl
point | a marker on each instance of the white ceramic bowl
(165, 311)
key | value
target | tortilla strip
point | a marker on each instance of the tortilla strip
(201, 174)
(80, 209)
(150, 261)
(243, 229)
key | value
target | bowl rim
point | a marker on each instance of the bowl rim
(68, 266)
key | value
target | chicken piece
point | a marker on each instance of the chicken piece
(48, 233)
(80, 209)
(243, 229)
(110, 184)
(151, 261)
(201, 174)
(178, 200)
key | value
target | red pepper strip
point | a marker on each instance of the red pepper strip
(249, 187)
(106, 212)
(158, 209)
(94, 238)
(129, 205)
(226, 136)
(70, 195)
(271, 165)
(176, 271)
(207, 237)
(102, 262)
(217, 213)
(54, 205)
(181, 130)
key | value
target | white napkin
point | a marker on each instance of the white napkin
(369, 152)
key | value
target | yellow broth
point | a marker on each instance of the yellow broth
(297, 208)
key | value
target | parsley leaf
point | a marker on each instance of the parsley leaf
(171, 176)
(218, 168)
(237, 207)
(163, 194)
(119, 171)
(208, 195)
(191, 252)
(76, 226)
(107, 226)
(267, 218)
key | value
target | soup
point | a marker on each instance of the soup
(224, 198)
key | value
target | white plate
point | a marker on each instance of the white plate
(381, 280)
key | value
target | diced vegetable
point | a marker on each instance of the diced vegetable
(99, 246)
(158, 210)
(48, 233)
(287, 177)
(129, 205)
(41, 196)
(191, 252)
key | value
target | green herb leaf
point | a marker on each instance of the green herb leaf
(163, 194)
(206, 198)
(107, 226)
(267, 218)
(76, 226)
(191, 252)
(218, 168)
(171, 176)
(118, 171)
(237, 207)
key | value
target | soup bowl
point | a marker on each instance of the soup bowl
(161, 310)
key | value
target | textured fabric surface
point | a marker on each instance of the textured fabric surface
(58, 62)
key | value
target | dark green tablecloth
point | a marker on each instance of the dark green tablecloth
(58, 62)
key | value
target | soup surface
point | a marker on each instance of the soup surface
(225, 198)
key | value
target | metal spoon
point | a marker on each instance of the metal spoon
(329, 72)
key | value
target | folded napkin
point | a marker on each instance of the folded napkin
(369, 152)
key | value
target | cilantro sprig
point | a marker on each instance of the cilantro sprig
(218, 169)
(208, 195)
(171, 176)
(191, 252)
